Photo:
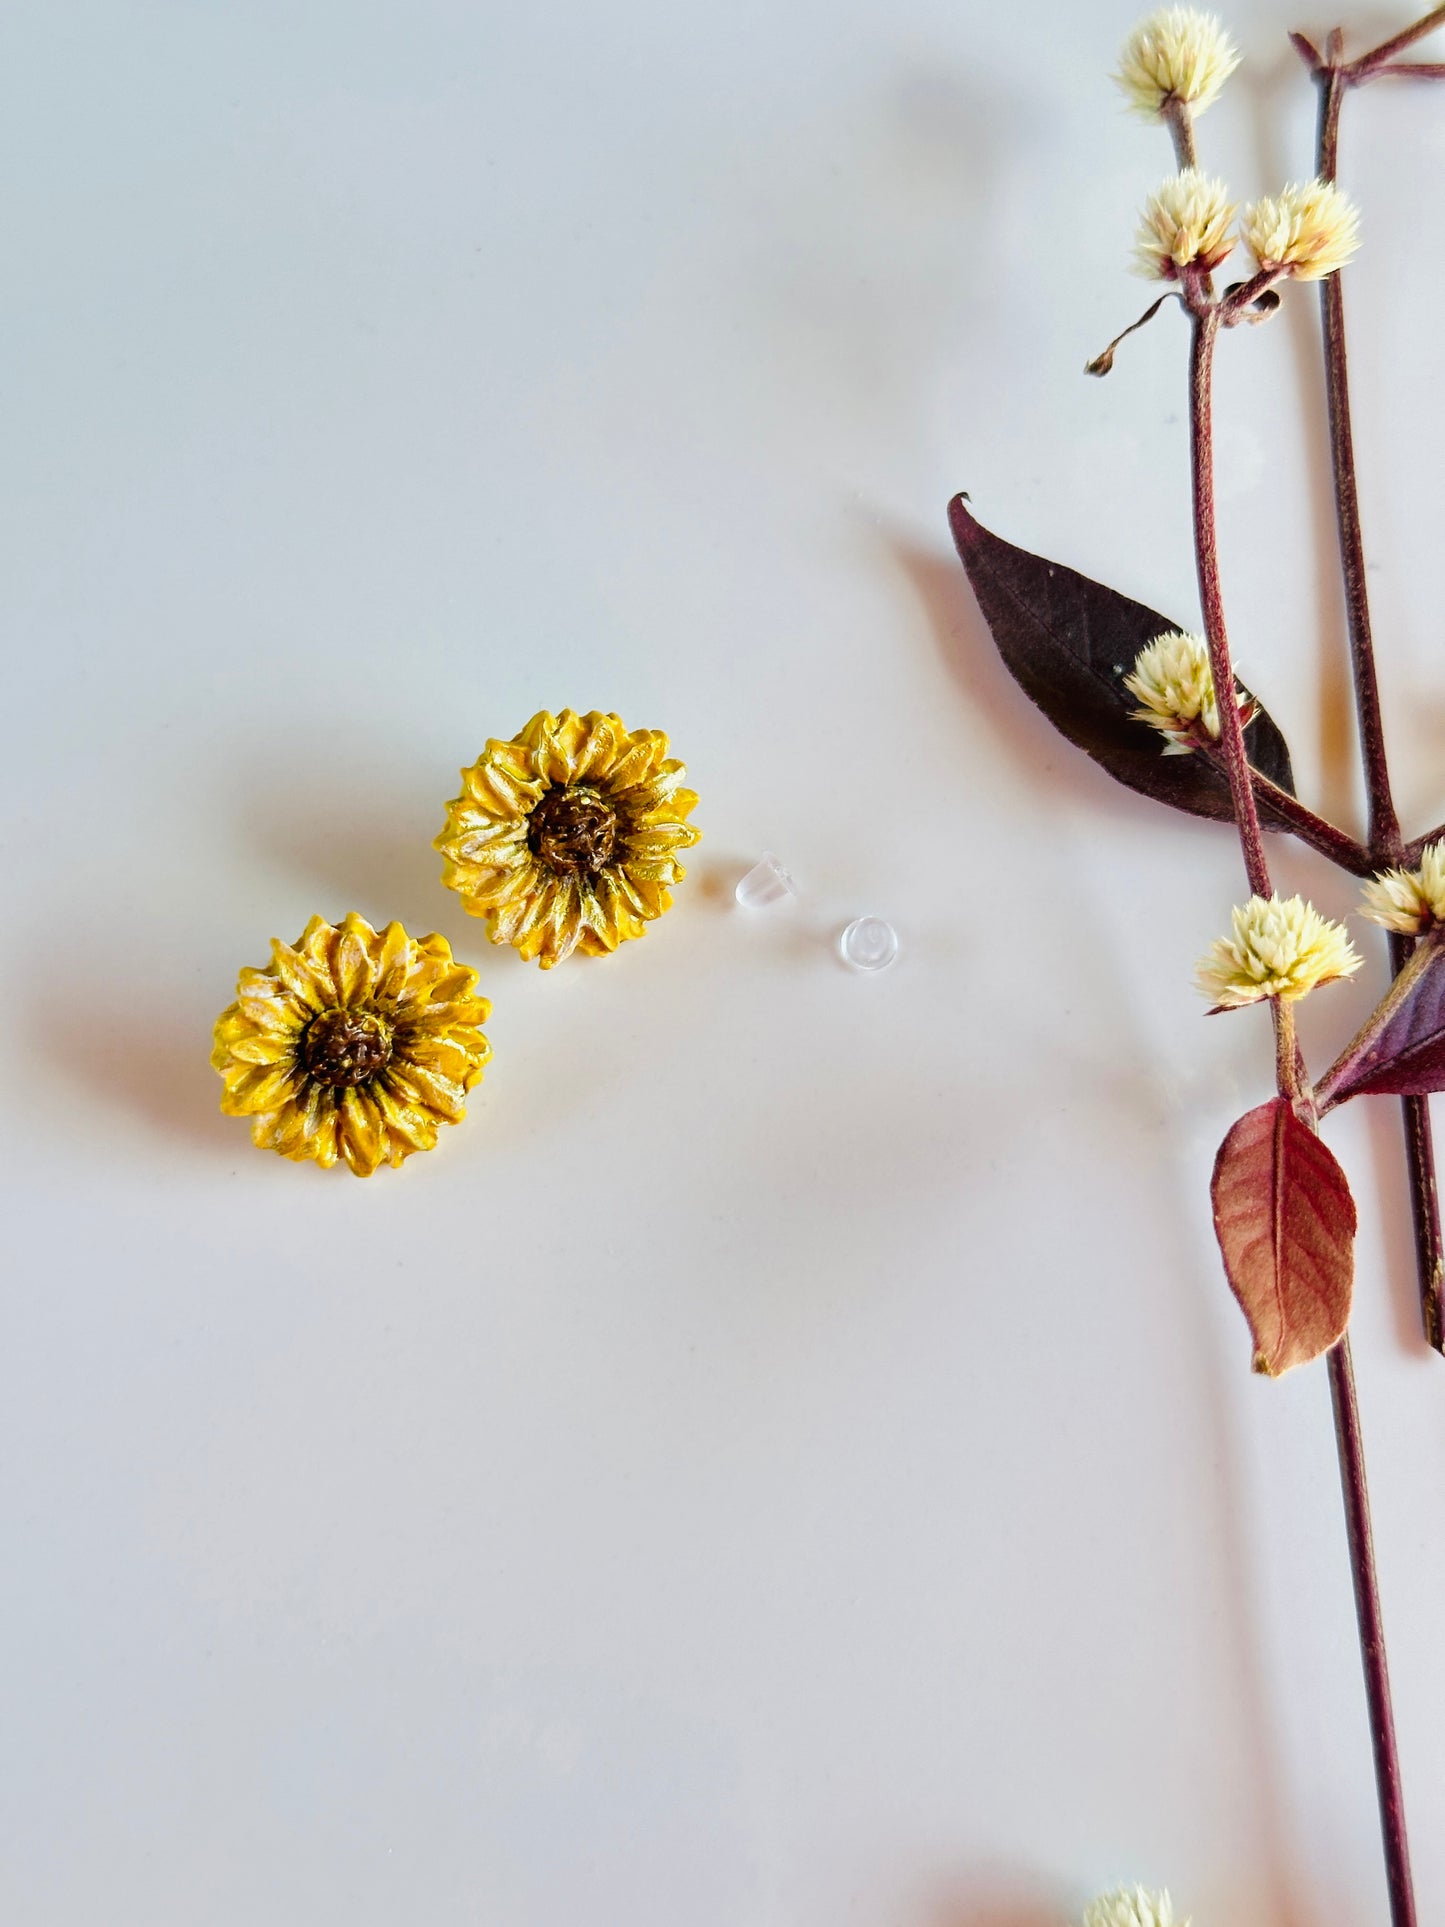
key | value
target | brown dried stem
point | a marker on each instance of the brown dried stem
(1334, 77)
(1341, 1368)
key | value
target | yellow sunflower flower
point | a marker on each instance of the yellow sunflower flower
(567, 837)
(356, 1044)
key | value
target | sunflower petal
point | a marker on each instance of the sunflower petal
(394, 954)
(351, 964)
(360, 1133)
(411, 1124)
(298, 975)
(258, 1088)
(416, 1084)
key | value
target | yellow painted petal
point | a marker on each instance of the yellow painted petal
(521, 914)
(499, 789)
(265, 1130)
(259, 1087)
(299, 976)
(494, 846)
(495, 887)
(621, 912)
(557, 745)
(597, 748)
(269, 1002)
(645, 750)
(360, 1133)
(414, 1083)
(258, 1047)
(662, 792)
(325, 1145)
(640, 871)
(352, 964)
(439, 984)
(414, 1126)
(652, 839)
(318, 946)
(394, 956)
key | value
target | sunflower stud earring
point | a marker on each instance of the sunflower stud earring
(353, 1044)
(567, 836)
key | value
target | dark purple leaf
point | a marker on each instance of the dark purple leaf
(1400, 1048)
(1286, 1226)
(1069, 643)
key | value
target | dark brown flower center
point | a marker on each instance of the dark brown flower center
(573, 831)
(345, 1047)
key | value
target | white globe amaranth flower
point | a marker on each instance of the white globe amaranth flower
(1132, 1907)
(1410, 901)
(1175, 686)
(1309, 230)
(1281, 947)
(1176, 54)
(1186, 223)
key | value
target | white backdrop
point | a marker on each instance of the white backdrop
(789, 1459)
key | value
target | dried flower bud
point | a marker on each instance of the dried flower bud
(1186, 222)
(1175, 686)
(1410, 901)
(1131, 1907)
(1281, 947)
(1310, 230)
(1176, 54)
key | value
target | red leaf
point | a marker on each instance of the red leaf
(1069, 642)
(1285, 1221)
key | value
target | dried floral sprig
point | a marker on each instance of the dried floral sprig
(1283, 1211)
(1409, 901)
(1307, 230)
(1187, 222)
(1335, 76)
(1175, 686)
(1179, 54)
(1280, 947)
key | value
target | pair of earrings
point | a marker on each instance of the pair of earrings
(358, 1044)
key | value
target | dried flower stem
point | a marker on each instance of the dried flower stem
(1341, 1369)
(1385, 845)
(1371, 63)
(1178, 117)
(1204, 332)
(1338, 845)
(1383, 824)
(1372, 1635)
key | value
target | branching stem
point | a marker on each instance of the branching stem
(1292, 1085)
(1334, 78)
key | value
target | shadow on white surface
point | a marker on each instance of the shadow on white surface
(995, 1899)
(1272, 84)
(133, 1051)
(356, 833)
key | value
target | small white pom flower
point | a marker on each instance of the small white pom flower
(1176, 54)
(1186, 222)
(1131, 1907)
(1310, 230)
(1281, 947)
(1175, 686)
(1410, 901)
